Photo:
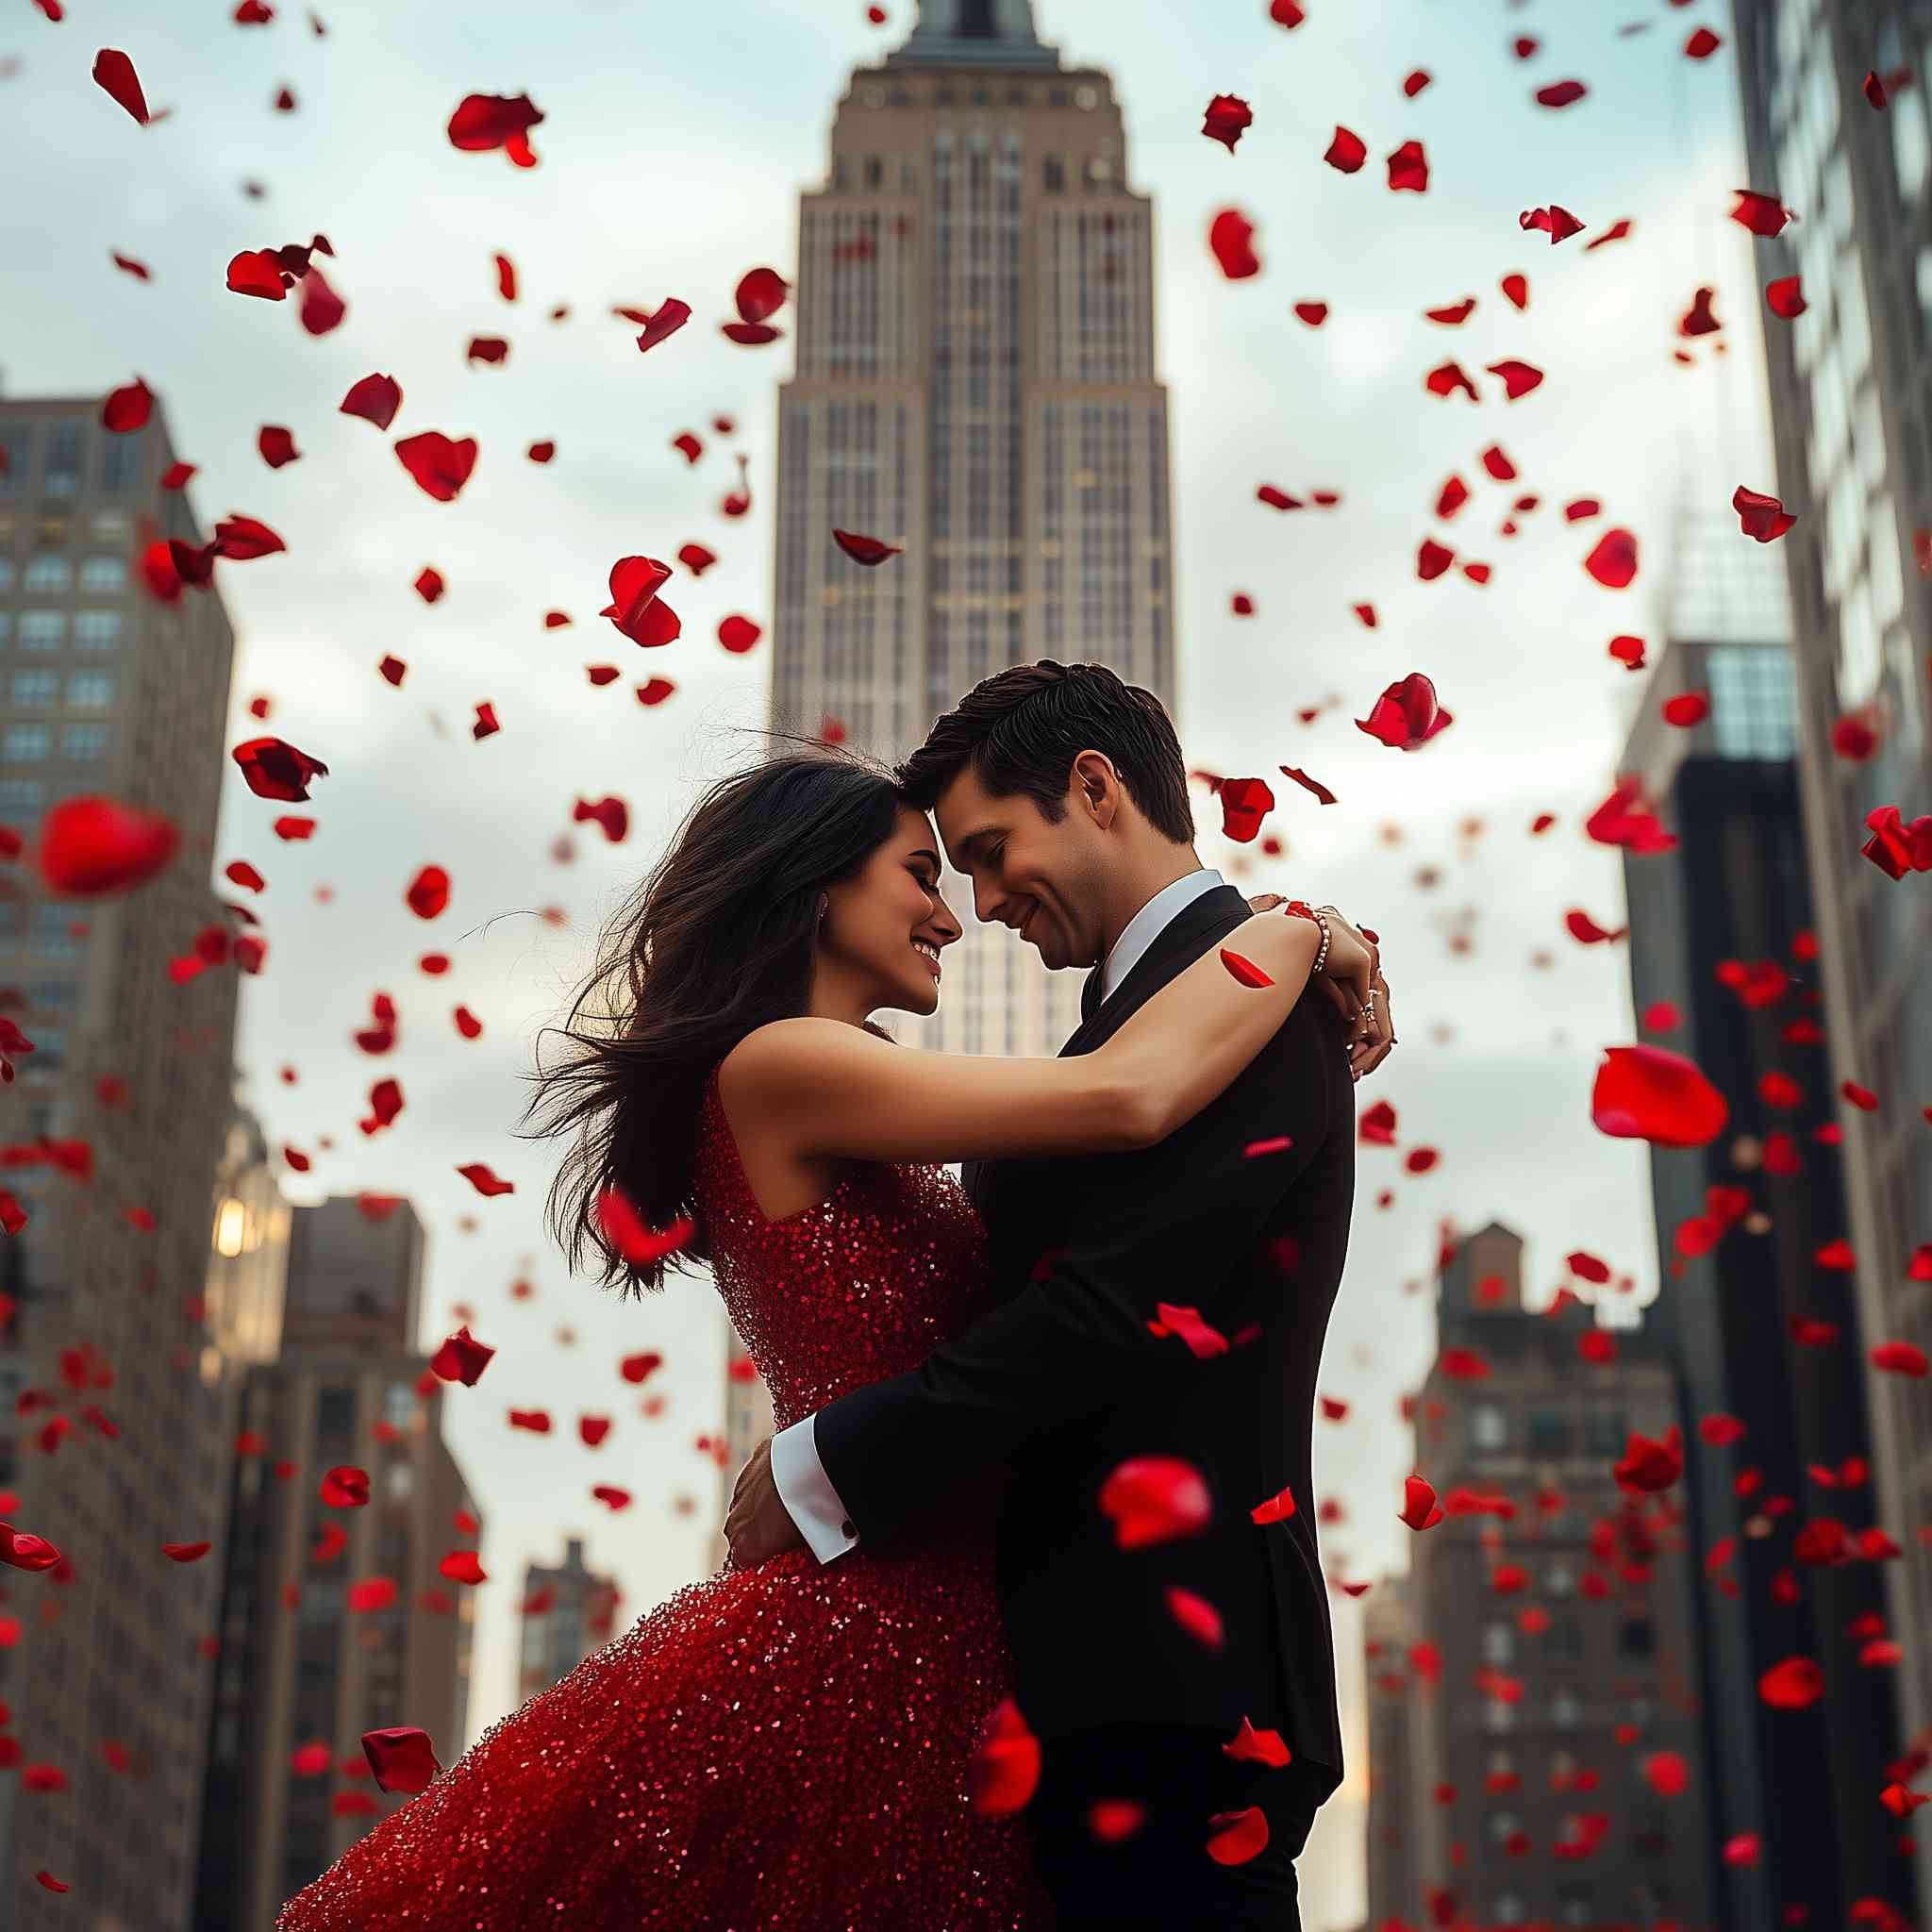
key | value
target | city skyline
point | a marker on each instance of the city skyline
(1258, 397)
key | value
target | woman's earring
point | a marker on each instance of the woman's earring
(824, 905)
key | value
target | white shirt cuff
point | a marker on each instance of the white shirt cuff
(808, 1494)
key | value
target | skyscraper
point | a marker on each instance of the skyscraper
(1760, 1335)
(975, 381)
(1550, 1674)
(334, 1619)
(115, 1398)
(1851, 413)
(569, 1610)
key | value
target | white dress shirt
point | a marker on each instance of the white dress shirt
(800, 1478)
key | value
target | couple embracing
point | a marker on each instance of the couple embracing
(1023, 1625)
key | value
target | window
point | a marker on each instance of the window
(111, 525)
(25, 744)
(1499, 1642)
(1607, 1434)
(43, 630)
(1635, 1637)
(1566, 1709)
(21, 797)
(1559, 1579)
(51, 995)
(1053, 175)
(63, 459)
(91, 690)
(16, 453)
(1489, 1425)
(49, 571)
(1563, 1641)
(96, 630)
(1549, 1432)
(9, 572)
(873, 172)
(120, 462)
(335, 1411)
(6, 628)
(36, 686)
(1499, 1715)
(104, 574)
(1575, 1904)
(83, 743)
(399, 1404)
(1508, 1910)
(398, 1478)
(51, 932)
(50, 1050)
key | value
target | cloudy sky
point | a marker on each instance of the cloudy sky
(675, 140)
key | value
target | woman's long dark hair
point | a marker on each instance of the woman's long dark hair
(716, 941)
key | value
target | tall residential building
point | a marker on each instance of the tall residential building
(1722, 933)
(975, 381)
(1388, 1639)
(115, 1401)
(355, 1275)
(333, 1620)
(1851, 413)
(569, 1610)
(1551, 1666)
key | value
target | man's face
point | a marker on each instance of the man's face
(1034, 877)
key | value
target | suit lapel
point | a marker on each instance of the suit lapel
(1176, 947)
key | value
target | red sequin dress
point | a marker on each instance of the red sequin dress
(781, 1749)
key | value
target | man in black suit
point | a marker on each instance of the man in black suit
(1061, 792)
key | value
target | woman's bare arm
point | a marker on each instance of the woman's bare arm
(824, 1089)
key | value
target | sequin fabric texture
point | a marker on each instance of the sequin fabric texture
(781, 1749)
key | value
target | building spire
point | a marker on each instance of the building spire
(974, 33)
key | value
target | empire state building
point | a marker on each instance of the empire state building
(975, 381)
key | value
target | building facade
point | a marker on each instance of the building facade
(975, 381)
(569, 1610)
(1722, 933)
(116, 1401)
(1851, 409)
(333, 1620)
(1388, 1640)
(1551, 1665)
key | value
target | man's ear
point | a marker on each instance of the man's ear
(1097, 784)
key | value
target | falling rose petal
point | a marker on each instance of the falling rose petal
(186, 1553)
(1321, 793)
(1414, 83)
(1900, 1358)
(1560, 94)
(1454, 316)
(1686, 708)
(1202, 1338)
(1406, 716)
(371, 1593)
(114, 73)
(1250, 1746)
(1761, 517)
(1277, 1508)
(738, 634)
(1420, 1510)
(761, 293)
(478, 1175)
(1286, 12)
(669, 317)
(1762, 213)
(375, 398)
(1432, 559)
(128, 408)
(92, 846)
(1313, 313)
(1244, 803)
(1408, 170)
(696, 558)
(1195, 1614)
(1228, 118)
(346, 1487)
(1346, 152)
(439, 465)
(258, 272)
(1650, 1094)
(463, 1566)
(1275, 499)
(1238, 1836)
(627, 1231)
(1648, 1466)
(1518, 379)
(482, 121)
(1155, 1499)
(1666, 1773)
(1896, 847)
(1004, 1770)
(1793, 1685)
(276, 769)
(535, 1420)
(401, 1758)
(654, 691)
(22, 1550)
(44, 1878)
(429, 891)
(1231, 240)
(1447, 379)
(462, 1358)
(869, 551)
(1613, 561)
(1244, 972)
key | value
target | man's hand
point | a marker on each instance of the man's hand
(757, 1525)
(1354, 986)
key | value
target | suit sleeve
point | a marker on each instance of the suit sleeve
(1176, 1223)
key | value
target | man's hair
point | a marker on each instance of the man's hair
(1021, 729)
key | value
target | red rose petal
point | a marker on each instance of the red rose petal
(375, 398)
(114, 73)
(866, 550)
(439, 465)
(1155, 1499)
(1231, 240)
(401, 1757)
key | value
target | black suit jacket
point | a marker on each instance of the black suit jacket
(1061, 1382)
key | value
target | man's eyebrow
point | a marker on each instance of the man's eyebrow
(968, 847)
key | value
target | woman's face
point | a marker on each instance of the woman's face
(887, 924)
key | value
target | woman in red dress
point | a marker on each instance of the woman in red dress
(790, 1748)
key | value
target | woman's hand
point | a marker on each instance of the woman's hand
(1353, 984)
